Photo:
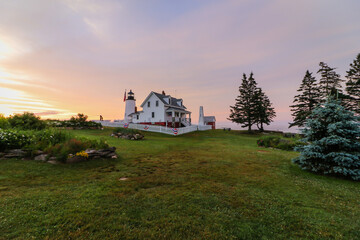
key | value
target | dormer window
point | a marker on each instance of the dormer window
(149, 104)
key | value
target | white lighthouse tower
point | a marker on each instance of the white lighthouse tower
(201, 116)
(129, 106)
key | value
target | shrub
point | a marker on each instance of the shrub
(26, 121)
(11, 139)
(4, 123)
(75, 122)
(31, 140)
(49, 137)
(72, 146)
(278, 142)
(268, 141)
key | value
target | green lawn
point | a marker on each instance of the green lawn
(208, 185)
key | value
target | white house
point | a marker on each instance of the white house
(158, 109)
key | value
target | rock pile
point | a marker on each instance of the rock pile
(41, 156)
(93, 154)
(129, 136)
(14, 153)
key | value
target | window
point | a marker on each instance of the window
(152, 114)
(149, 104)
(157, 103)
(137, 117)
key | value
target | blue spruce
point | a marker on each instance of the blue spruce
(333, 135)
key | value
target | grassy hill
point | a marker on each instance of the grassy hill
(203, 185)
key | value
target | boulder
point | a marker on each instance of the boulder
(53, 162)
(15, 153)
(53, 159)
(38, 152)
(41, 157)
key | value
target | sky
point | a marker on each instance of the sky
(63, 57)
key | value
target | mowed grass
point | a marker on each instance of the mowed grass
(203, 185)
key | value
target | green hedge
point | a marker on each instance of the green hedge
(278, 142)
(26, 121)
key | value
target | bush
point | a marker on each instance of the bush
(4, 123)
(12, 139)
(31, 140)
(47, 138)
(72, 146)
(75, 122)
(278, 142)
(26, 121)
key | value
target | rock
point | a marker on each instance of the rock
(53, 162)
(15, 153)
(38, 152)
(114, 157)
(53, 159)
(1, 154)
(41, 157)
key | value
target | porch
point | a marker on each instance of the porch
(175, 117)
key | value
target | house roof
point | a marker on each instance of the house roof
(173, 101)
(135, 113)
(209, 119)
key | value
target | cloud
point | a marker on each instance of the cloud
(47, 113)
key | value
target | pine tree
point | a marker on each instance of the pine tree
(330, 82)
(333, 136)
(265, 113)
(353, 85)
(306, 101)
(244, 110)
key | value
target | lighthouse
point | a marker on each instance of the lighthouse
(129, 106)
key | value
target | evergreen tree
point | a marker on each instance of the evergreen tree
(265, 113)
(353, 85)
(330, 82)
(306, 101)
(333, 136)
(244, 110)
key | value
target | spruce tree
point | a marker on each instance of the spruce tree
(244, 110)
(265, 113)
(330, 82)
(353, 85)
(306, 101)
(332, 134)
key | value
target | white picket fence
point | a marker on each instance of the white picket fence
(155, 128)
